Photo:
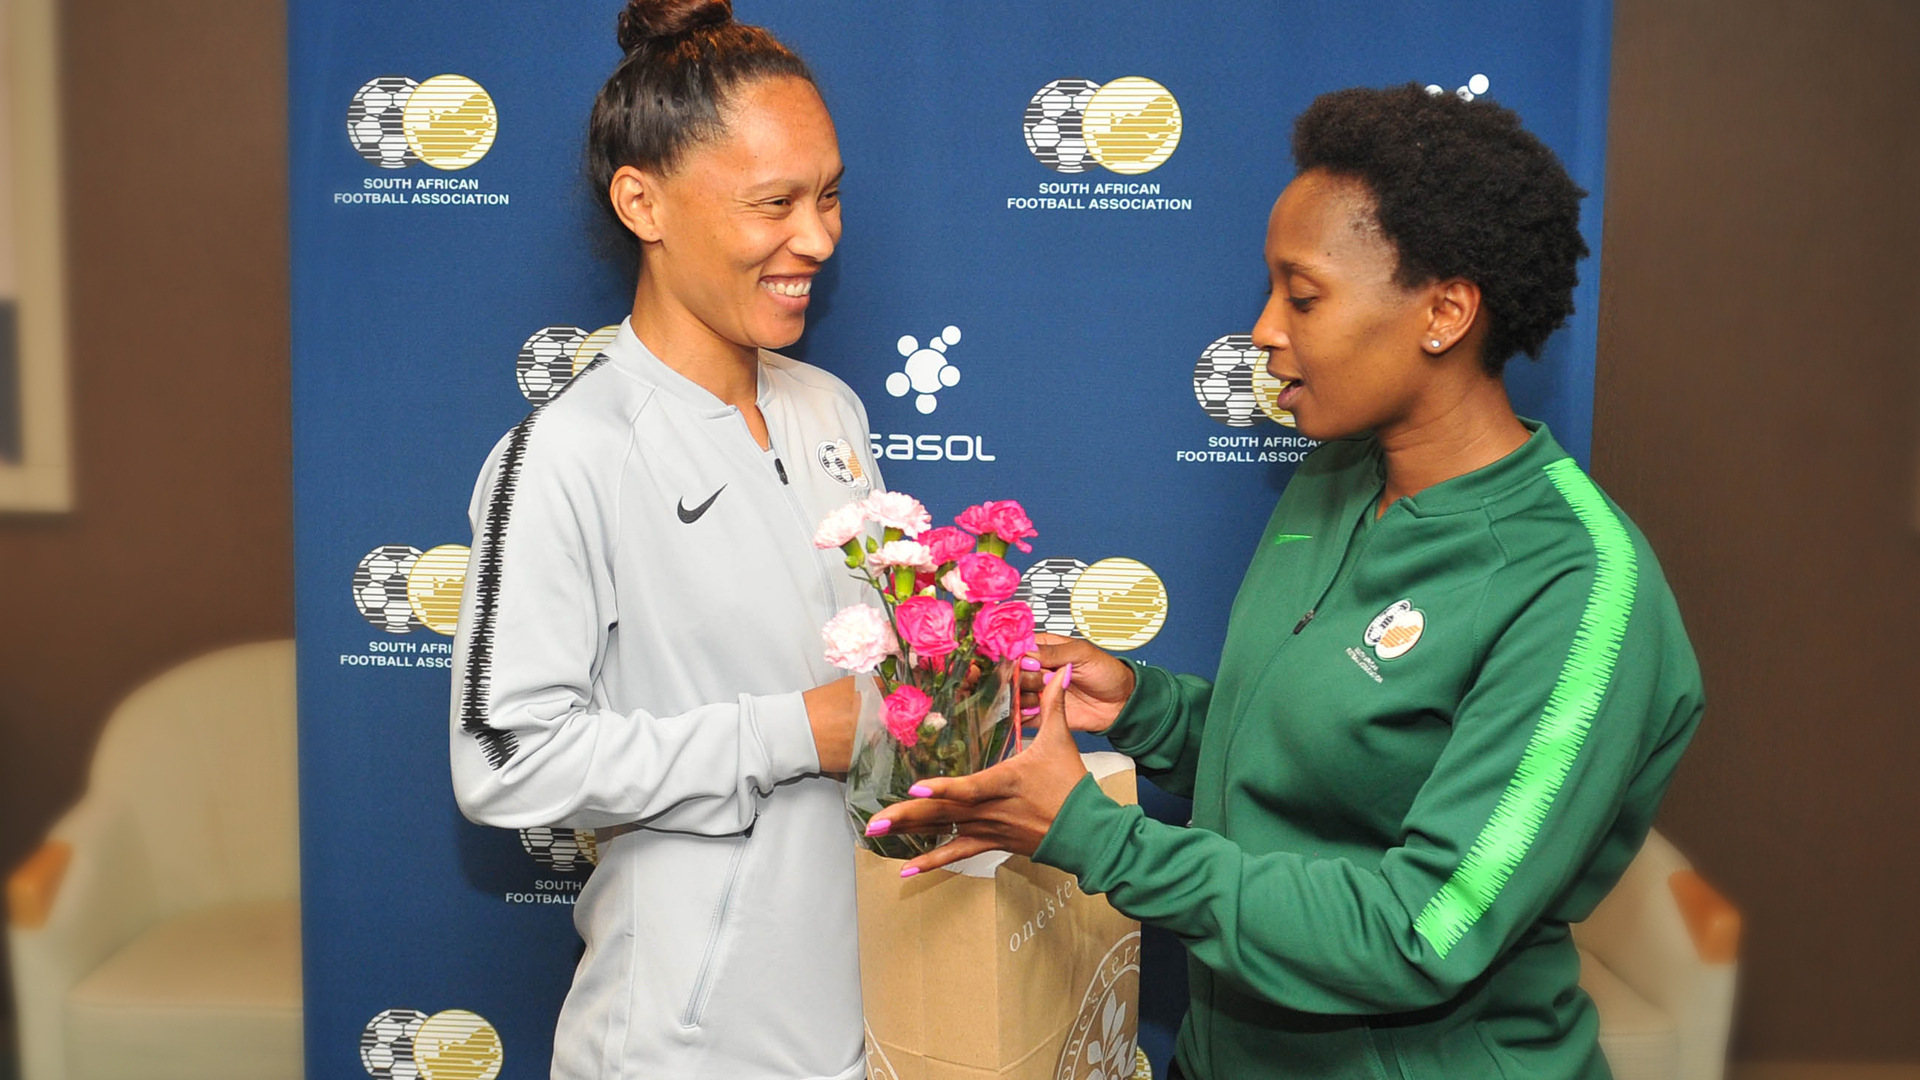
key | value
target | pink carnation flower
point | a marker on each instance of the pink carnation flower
(927, 624)
(858, 638)
(987, 577)
(902, 553)
(946, 544)
(1003, 518)
(840, 526)
(1003, 631)
(903, 710)
(895, 510)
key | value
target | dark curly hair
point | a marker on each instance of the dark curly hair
(1461, 190)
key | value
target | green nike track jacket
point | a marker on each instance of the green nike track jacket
(1435, 739)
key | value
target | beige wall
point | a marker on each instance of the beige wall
(182, 539)
(1756, 415)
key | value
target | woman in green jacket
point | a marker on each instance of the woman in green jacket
(1454, 686)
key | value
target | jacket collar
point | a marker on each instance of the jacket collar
(1470, 491)
(632, 356)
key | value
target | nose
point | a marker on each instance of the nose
(1270, 330)
(813, 235)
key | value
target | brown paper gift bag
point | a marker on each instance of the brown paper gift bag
(1005, 969)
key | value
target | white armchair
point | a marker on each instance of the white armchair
(156, 934)
(1659, 958)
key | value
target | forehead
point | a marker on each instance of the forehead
(775, 127)
(1326, 220)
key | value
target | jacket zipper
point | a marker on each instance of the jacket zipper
(800, 515)
(703, 982)
(1348, 558)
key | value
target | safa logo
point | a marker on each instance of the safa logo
(399, 589)
(552, 355)
(1130, 125)
(407, 1044)
(448, 122)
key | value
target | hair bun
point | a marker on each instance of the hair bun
(645, 20)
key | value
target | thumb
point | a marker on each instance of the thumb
(1053, 710)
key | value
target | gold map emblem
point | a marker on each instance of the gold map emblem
(1132, 125)
(1119, 604)
(434, 586)
(450, 122)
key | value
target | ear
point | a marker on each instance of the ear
(636, 202)
(1454, 309)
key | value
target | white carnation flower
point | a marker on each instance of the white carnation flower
(840, 526)
(895, 510)
(858, 638)
(902, 553)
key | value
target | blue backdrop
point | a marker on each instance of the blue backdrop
(449, 269)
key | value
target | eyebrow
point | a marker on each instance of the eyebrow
(1288, 266)
(766, 187)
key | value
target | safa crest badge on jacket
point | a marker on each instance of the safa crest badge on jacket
(1395, 631)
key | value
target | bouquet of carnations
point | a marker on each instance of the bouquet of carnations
(944, 647)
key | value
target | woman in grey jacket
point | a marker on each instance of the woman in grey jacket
(639, 648)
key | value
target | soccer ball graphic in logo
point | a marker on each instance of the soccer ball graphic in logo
(376, 122)
(564, 850)
(386, 1044)
(380, 587)
(1223, 380)
(926, 371)
(1047, 587)
(1052, 125)
(546, 362)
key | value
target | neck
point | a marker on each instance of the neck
(725, 369)
(1465, 429)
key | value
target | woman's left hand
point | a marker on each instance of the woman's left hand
(1009, 807)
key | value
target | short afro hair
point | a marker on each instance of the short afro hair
(1461, 190)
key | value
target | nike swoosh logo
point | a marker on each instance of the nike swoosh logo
(1288, 538)
(693, 515)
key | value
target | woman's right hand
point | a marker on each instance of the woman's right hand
(1101, 683)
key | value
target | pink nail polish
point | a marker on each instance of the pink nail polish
(1046, 679)
(1066, 677)
(879, 828)
(910, 871)
(1028, 663)
(920, 791)
(1033, 710)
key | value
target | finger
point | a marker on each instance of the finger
(961, 848)
(1031, 683)
(1053, 710)
(918, 816)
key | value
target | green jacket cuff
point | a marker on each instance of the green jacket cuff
(1084, 833)
(1144, 720)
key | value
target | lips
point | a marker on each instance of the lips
(793, 288)
(1290, 390)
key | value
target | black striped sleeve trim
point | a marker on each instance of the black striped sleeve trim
(498, 746)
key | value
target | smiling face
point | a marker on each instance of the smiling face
(734, 235)
(1346, 338)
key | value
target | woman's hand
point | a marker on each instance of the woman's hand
(833, 710)
(1101, 683)
(1009, 807)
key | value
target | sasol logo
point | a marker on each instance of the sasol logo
(926, 371)
(898, 447)
(1475, 87)
(448, 122)
(1130, 125)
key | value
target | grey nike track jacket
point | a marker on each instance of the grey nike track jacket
(642, 614)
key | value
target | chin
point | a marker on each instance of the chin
(777, 336)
